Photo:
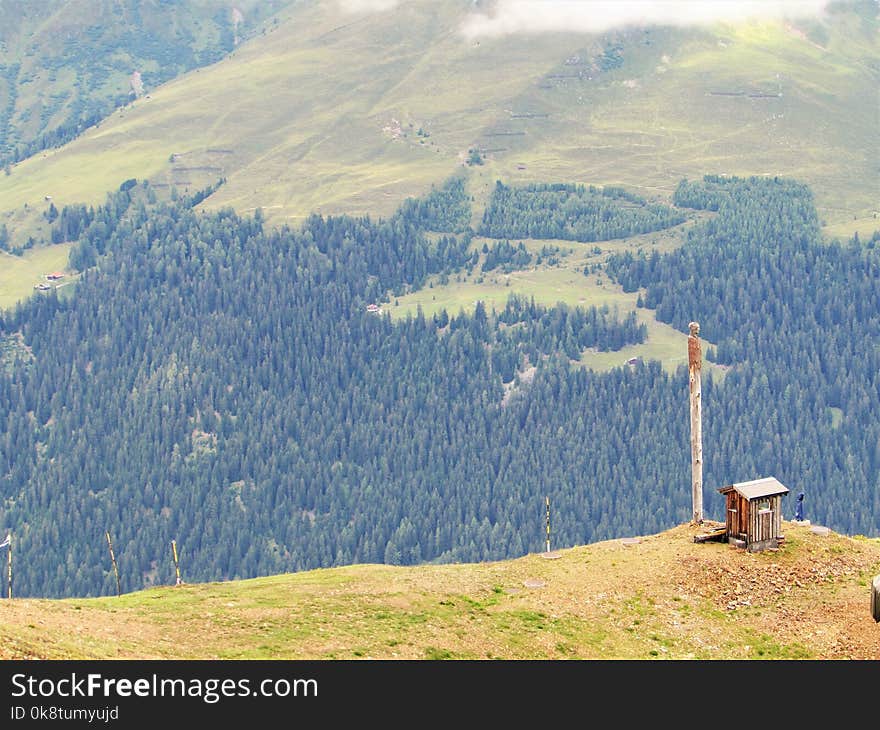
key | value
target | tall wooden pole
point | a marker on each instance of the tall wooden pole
(115, 568)
(547, 500)
(695, 363)
(176, 563)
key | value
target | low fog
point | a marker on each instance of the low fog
(506, 17)
(368, 6)
(597, 16)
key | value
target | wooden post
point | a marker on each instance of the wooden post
(695, 364)
(115, 568)
(9, 565)
(176, 563)
(547, 499)
(875, 599)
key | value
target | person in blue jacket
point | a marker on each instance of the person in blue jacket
(799, 509)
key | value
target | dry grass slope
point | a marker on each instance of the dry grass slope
(664, 597)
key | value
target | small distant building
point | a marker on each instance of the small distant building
(55, 276)
(753, 518)
(374, 308)
(633, 361)
(42, 286)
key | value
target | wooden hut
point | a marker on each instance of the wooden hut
(754, 515)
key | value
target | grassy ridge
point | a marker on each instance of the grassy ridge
(663, 597)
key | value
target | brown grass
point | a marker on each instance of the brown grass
(663, 597)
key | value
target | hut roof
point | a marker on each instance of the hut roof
(757, 488)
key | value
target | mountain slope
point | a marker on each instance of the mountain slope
(662, 597)
(352, 112)
(65, 64)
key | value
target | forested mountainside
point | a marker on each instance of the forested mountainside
(232, 388)
(67, 64)
(798, 321)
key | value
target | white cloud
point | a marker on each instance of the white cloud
(597, 16)
(367, 6)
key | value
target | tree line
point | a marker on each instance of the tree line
(572, 212)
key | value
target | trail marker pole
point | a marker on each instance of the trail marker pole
(547, 502)
(176, 563)
(9, 566)
(115, 568)
(695, 364)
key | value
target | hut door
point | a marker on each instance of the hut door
(765, 522)
(732, 515)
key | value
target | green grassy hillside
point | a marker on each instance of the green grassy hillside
(346, 112)
(65, 64)
(564, 281)
(658, 597)
(19, 274)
